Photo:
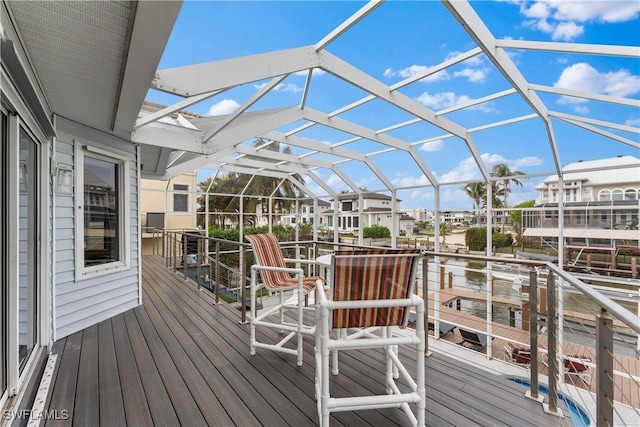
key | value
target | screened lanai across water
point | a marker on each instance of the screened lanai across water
(354, 120)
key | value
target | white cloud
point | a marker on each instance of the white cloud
(581, 109)
(601, 11)
(281, 87)
(562, 18)
(474, 60)
(432, 145)
(226, 106)
(584, 77)
(468, 170)
(567, 31)
(538, 10)
(402, 180)
(633, 122)
(316, 72)
(415, 70)
(444, 100)
(473, 74)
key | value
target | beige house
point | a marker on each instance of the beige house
(167, 205)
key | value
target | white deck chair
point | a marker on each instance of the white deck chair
(371, 291)
(278, 278)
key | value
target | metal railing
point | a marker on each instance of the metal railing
(546, 325)
(614, 397)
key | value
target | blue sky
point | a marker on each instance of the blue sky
(401, 38)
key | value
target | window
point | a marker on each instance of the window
(347, 206)
(180, 200)
(604, 195)
(630, 194)
(102, 211)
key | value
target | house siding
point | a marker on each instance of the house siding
(82, 303)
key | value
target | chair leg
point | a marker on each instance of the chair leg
(324, 367)
(301, 299)
(252, 338)
(335, 368)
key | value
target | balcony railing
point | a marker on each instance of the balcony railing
(582, 339)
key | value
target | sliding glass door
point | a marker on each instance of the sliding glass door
(27, 248)
(4, 256)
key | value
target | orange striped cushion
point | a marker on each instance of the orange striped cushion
(372, 278)
(268, 253)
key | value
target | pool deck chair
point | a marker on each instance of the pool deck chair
(277, 277)
(474, 338)
(370, 296)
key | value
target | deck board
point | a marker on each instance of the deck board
(111, 405)
(88, 395)
(179, 359)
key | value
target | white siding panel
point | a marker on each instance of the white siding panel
(131, 301)
(87, 302)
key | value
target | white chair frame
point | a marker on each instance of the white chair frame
(326, 345)
(294, 329)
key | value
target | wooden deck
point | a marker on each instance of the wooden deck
(181, 360)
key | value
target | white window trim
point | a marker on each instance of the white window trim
(124, 212)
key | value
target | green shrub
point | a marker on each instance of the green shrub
(476, 238)
(376, 232)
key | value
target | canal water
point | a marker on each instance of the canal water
(470, 276)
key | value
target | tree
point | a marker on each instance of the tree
(226, 189)
(444, 230)
(501, 170)
(268, 186)
(476, 192)
(516, 216)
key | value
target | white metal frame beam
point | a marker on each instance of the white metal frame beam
(475, 27)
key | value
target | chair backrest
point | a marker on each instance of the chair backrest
(470, 337)
(373, 274)
(267, 253)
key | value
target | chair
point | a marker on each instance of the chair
(277, 277)
(443, 327)
(371, 295)
(473, 338)
(577, 367)
(520, 356)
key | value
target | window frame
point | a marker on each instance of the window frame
(180, 191)
(82, 272)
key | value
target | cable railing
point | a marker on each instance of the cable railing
(581, 347)
(583, 343)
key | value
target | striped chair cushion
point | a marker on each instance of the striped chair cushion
(268, 254)
(371, 277)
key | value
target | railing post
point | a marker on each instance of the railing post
(604, 369)
(533, 335)
(552, 406)
(217, 272)
(185, 253)
(425, 297)
(199, 261)
(175, 253)
(243, 296)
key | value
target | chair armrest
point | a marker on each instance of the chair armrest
(293, 270)
(301, 261)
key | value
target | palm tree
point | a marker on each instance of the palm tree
(476, 192)
(501, 170)
(267, 186)
(230, 185)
